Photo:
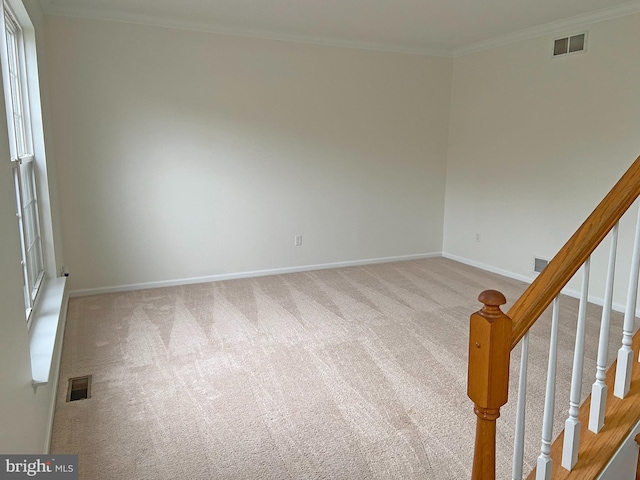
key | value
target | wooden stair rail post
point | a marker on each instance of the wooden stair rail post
(488, 380)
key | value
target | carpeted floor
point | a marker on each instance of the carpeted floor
(352, 373)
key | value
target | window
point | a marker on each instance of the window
(22, 156)
(44, 291)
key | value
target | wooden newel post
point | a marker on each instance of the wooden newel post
(488, 380)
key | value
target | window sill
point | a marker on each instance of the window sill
(44, 328)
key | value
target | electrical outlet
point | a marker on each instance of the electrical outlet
(477, 237)
(297, 240)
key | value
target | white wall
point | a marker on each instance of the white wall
(624, 464)
(535, 143)
(25, 414)
(185, 154)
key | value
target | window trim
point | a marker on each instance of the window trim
(21, 145)
(12, 25)
(49, 314)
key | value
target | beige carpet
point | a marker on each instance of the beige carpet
(352, 373)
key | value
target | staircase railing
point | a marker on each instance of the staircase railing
(493, 335)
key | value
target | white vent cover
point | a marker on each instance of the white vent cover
(539, 264)
(572, 44)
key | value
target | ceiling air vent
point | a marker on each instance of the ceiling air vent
(572, 44)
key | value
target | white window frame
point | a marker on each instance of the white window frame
(14, 70)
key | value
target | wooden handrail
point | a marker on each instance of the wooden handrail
(537, 297)
(493, 334)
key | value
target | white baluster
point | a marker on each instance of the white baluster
(625, 354)
(599, 389)
(572, 424)
(543, 468)
(518, 445)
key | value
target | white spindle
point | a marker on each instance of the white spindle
(518, 444)
(572, 424)
(625, 354)
(599, 389)
(543, 469)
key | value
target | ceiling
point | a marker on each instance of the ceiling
(436, 27)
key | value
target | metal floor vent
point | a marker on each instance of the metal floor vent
(79, 388)
(539, 264)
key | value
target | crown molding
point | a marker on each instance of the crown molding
(49, 8)
(559, 26)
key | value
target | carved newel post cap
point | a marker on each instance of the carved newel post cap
(492, 298)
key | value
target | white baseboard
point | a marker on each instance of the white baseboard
(488, 268)
(618, 307)
(255, 273)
